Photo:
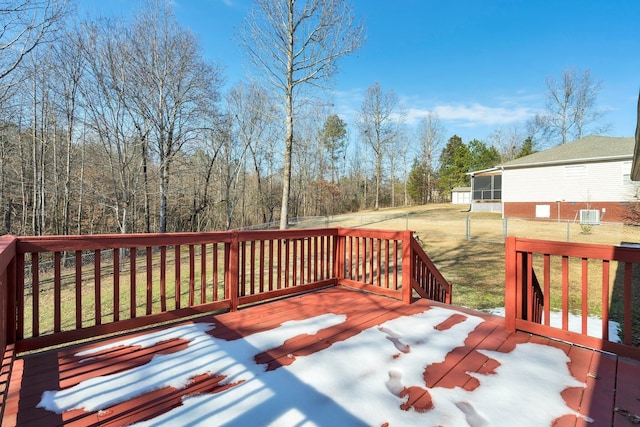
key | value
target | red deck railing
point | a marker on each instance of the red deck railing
(577, 279)
(63, 288)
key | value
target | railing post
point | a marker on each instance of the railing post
(407, 268)
(232, 259)
(510, 283)
(339, 255)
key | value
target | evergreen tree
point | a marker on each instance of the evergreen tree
(333, 137)
(455, 162)
(483, 156)
(418, 185)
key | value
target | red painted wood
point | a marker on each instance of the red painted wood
(116, 285)
(178, 276)
(57, 293)
(599, 394)
(261, 266)
(565, 293)
(203, 273)
(585, 294)
(627, 392)
(97, 287)
(35, 295)
(363, 311)
(78, 284)
(43, 341)
(279, 264)
(547, 289)
(149, 288)
(605, 300)
(294, 262)
(133, 273)
(628, 297)
(214, 272)
(163, 278)
(192, 275)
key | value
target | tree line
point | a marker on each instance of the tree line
(111, 125)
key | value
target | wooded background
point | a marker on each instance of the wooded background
(122, 126)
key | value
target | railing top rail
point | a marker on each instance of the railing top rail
(114, 241)
(578, 250)
(373, 233)
(292, 233)
(31, 244)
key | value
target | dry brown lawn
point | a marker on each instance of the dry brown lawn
(468, 248)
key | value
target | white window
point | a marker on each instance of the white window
(543, 211)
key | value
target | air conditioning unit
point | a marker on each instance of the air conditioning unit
(590, 216)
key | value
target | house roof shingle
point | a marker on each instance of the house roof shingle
(588, 149)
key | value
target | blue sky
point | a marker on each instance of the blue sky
(480, 65)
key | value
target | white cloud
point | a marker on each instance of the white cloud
(482, 115)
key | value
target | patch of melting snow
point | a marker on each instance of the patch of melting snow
(364, 380)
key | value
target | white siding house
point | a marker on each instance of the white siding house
(587, 179)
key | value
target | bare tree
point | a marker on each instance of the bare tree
(295, 44)
(24, 25)
(570, 107)
(508, 141)
(174, 90)
(378, 125)
(105, 96)
(68, 72)
(253, 114)
(431, 137)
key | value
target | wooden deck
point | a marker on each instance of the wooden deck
(611, 395)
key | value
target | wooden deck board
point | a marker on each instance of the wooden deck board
(602, 373)
(627, 393)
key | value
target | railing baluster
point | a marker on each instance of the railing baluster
(279, 281)
(547, 289)
(132, 283)
(302, 263)
(97, 296)
(628, 297)
(192, 275)
(242, 246)
(163, 278)
(20, 297)
(294, 273)
(605, 299)
(271, 263)
(78, 283)
(316, 261)
(214, 273)
(585, 295)
(203, 273)
(309, 260)
(57, 292)
(178, 279)
(116, 284)
(386, 264)
(149, 290)
(35, 295)
(565, 293)
(261, 268)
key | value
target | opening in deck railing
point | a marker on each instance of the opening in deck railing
(63, 288)
(593, 282)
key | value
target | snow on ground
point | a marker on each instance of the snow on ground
(594, 324)
(359, 381)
